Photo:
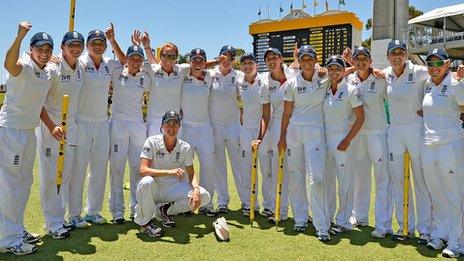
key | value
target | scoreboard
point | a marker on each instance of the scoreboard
(326, 41)
(328, 35)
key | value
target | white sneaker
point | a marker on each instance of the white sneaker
(95, 219)
(436, 244)
(60, 233)
(357, 223)
(79, 222)
(22, 249)
(450, 253)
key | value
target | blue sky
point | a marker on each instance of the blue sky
(190, 24)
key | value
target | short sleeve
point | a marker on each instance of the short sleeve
(355, 97)
(148, 150)
(184, 69)
(148, 81)
(188, 160)
(458, 90)
(113, 64)
(288, 93)
(148, 68)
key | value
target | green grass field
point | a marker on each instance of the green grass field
(193, 239)
(2, 97)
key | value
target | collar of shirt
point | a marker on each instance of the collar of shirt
(162, 145)
(175, 71)
(446, 81)
(409, 69)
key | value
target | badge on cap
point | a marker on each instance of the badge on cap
(198, 51)
(45, 36)
(397, 42)
(435, 51)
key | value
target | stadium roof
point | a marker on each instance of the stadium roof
(454, 18)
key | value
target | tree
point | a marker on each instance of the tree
(413, 12)
(183, 58)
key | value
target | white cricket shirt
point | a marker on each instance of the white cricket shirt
(224, 93)
(195, 100)
(252, 100)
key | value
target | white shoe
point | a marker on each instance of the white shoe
(436, 244)
(30, 238)
(79, 222)
(22, 249)
(60, 233)
(95, 219)
(450, 252)
(357, 223)
(424, 239)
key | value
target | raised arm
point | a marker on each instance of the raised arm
(12, 64)
(110, 35)
(149, 52)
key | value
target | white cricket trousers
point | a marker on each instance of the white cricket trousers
(247, 135)
(92, 150)
(273, 136)
(150, 194)
(306, 154)
(444, 175)
(201, 140)
(339, 168)
(126, 139)
(370, 149)
(226, 137)
(53, 204)
(17, 155)
(399, 141)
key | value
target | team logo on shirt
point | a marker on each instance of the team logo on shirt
(115, 148)
(443, 91)
(244, 87)
(48, 152)
(301, 89)
(79, 75)
(141, 82)
(232, 81)
(359, 96)
(177, 157)
(319, 85)
(327, 94)
(372, 88)
(16, 160)
(188, 80)
(37, 74)
(272, 89)
(107, 70)
(428, 89)
(340, 95)
(159, 154)
(411, 78)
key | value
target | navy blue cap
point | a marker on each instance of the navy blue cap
(197, 52)
(272, 50)
(40, 39)
(337, 60)
(306, 50)
(227, 48)
(440, 53)
(96, 35)
(72, 37)
(248, 56)
(134, 50)
(171, 115)
(361, 50)
(396, 44)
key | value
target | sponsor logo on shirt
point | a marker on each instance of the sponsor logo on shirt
(340, 96)
(359, 96)
(391, 156)
(123, 78)
(244, 87)
(47, 152)
(232, 80)
(301, 89)
(115, 148)
(65, 78)
(411, 78)
(89, 69)
(146, 149)
(159, 74)
(428, 89)
(79, 75)
(159, 154)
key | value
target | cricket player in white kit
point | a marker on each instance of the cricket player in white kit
(127, 128)
(343, 118)
(250, 88)
(443, 152)
(167, 84)
(405, 83)
(29, 82)
(225, 119)
(93, 139)
(370, 148)
(273, 92)
(169, 185)
(68, 82)
(197, 130)
(302, 129)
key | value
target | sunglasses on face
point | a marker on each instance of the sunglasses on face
(438, 63)
(171, 57)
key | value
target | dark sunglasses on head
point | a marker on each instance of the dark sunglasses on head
(438, 63)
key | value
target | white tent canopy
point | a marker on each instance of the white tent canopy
(454, 18)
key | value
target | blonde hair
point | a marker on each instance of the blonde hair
(169, 45)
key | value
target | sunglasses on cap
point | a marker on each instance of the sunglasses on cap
(169, 56)
(437, 63)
